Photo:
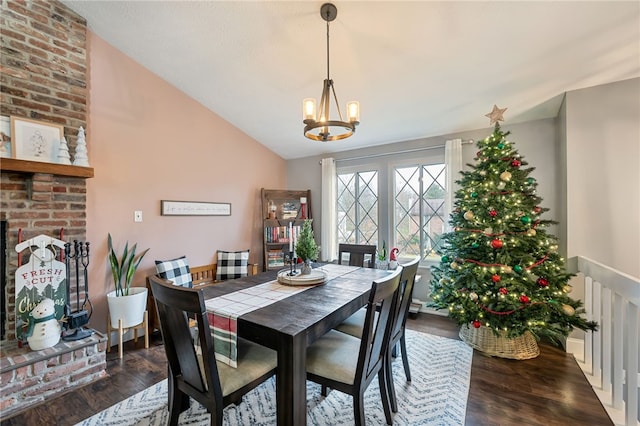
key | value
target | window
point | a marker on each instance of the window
(419, 213)
(396, 198)
(358, 207)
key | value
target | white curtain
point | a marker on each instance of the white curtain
(453, 162)
(328, 237)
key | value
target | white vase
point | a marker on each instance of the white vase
(305, 269)
(130, 309)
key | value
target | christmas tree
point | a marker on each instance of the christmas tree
(499, 267)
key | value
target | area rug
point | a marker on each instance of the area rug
(437, 395)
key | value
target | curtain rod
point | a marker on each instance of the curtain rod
(406, 151)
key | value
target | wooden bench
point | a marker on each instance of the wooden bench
(204, 275)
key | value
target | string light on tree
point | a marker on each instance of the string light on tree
(500, 268)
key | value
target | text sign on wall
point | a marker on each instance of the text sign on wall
(194, 208)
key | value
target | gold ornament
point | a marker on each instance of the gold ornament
(473, 296)
(531, 232)
(468, 215)
(495, 115)
(502, 185)
(567, 289)
(505, 176)
(568, 310)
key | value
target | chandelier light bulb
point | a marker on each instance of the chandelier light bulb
(309, 109)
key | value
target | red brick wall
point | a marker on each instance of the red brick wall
(43, 76)
(44, 66)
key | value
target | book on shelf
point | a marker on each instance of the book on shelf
(280, 234)
(275, 258)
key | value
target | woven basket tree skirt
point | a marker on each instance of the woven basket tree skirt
(484, 340)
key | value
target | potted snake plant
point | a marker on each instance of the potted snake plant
(126, 303)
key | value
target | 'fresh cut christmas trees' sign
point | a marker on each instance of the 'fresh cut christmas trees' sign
(499, 267)
(43, 276)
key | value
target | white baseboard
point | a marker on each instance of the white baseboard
(575, 347)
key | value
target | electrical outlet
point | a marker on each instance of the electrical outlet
(137, 216)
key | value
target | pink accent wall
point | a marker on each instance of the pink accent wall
(147, 142)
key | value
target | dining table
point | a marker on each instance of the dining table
(291, 324)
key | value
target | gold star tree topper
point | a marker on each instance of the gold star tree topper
(495, 115)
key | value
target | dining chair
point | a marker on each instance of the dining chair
(193, 370)
(355, 323)
(358, 253)
(348, 364)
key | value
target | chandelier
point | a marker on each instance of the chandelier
(318, 124)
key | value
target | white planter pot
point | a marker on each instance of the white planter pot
(130, 309)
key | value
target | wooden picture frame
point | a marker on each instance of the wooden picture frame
(5, 136)
(194, 208)
(35, 140)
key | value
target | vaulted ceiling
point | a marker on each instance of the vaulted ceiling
(418, 68)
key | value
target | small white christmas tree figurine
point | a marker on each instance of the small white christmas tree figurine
(63, 152)
(81, 158)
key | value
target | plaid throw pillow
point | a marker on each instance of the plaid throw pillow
(232, 264)
(176, 270)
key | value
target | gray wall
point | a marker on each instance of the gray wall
(602, 167)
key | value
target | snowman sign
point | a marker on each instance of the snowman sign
(42, 277)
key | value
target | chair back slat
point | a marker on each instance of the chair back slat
(357, 254)
(175, 305)
(377, 328)
(405, 293)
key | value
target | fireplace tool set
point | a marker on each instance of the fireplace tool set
(78, 318)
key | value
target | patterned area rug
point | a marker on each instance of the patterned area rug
(437, 395)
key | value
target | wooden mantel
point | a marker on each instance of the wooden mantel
(24, 166)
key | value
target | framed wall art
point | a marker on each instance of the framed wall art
(194, 208)
(35, 140)
(5, 137)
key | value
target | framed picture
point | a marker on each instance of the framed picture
(194, 208)
(35, 140)
(5, 137)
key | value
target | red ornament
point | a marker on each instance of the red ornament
(496, 244)
(516, 163)
(476, 324)
(495, 278)
(493, 213)
(503, 290)
(543, 282)
(524, 299)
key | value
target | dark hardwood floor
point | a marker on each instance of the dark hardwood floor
(548, 390)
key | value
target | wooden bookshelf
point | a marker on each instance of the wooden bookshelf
(276, 230)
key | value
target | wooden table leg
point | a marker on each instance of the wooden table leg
(291, 385)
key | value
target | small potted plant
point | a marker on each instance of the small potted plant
(383, 262)
(125, 302)
(306, 247)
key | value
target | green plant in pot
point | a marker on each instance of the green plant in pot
(125, 303)
(382, 263)
(306, 247)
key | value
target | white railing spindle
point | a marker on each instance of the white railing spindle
(611, 354)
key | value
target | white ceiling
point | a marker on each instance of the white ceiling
(418, 68)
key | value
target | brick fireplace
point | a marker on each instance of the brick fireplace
(43, 77)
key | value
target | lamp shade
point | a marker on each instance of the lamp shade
(309, 109)
(353, 111)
